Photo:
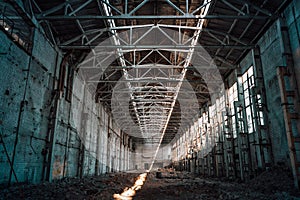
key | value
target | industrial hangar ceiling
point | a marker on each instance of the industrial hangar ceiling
(153, 72)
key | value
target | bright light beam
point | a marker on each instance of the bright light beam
(186, 64)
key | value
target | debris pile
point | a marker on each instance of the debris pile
(94, 187)
(277, 183)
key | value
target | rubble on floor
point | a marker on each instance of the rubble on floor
(276, 183)
(273, 184)
(95, 187)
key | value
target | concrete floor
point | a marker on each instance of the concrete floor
(274, 184)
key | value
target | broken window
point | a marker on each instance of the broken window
(232, 97)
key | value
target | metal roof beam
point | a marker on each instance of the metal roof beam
(132, 17)
(111, 23)
(233, 7)
(52, 10)
(262, 10)
(80, 7)
(152, 47)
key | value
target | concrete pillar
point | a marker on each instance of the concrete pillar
(290, 99)
(264, 148)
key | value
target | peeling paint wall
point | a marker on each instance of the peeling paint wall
(24, 109)
(292, 14)
(86, 142)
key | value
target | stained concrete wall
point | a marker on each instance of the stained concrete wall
(273, 55)
(25, 90)
(271, 58)
(87, 141)
(292, 15)
(84, 122)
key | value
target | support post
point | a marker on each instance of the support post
(290, 99)
(263, 133)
